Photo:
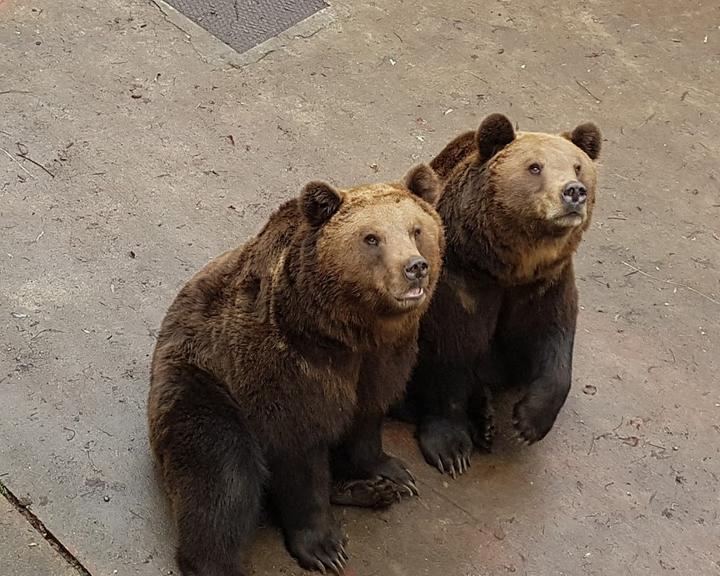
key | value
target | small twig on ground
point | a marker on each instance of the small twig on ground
(672, 283)
(592, 445)
(45, 331)
(647, 120)
(24, 156)
(587, 90)
(477, 76)
(16, 162)
(15, 92)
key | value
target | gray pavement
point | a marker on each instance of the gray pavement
(136, 146)
(23, 550)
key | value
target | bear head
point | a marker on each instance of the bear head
(378, 247)
(544, 182)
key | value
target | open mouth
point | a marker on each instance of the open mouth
(416, 293)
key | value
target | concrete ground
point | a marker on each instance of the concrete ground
(134, 147)
(24, 551)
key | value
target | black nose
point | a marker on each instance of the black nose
(416, 268)
(574, 194)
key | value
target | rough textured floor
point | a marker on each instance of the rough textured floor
(135, 147)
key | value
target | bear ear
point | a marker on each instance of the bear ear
(422, 181)
(586, 137)
(319, 202)
(494, 134)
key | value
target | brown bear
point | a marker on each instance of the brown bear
(275, 365)
(514, 206)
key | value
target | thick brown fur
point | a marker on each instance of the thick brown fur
(278, 360)
(515, 206)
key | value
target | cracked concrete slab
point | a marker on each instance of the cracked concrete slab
(135, 147)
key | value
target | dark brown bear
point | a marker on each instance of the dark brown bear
(276, 363)
(515, 206)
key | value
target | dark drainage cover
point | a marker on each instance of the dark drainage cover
(243, 24)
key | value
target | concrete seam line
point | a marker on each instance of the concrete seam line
(39, 527)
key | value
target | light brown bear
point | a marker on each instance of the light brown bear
(515, 206)
(276, 363)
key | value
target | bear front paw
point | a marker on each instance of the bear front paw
(387, 482)
(366, 493)
(320, 548)
(396, 471)
(533, 418)
(446, 445)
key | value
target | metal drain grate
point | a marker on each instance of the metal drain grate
(242, 24)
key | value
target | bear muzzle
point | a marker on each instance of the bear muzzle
(574, 196)
(572, 211)
(416, 271)
(416, 268)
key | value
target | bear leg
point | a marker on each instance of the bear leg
(301, 497)
(366, 476)
(445, 432)
(214, 474)
(538, 334)
(482, 418)
(544, 375)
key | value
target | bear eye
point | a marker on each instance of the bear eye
(578, 167)
(417, 232)
(535, 168)
(372, 240)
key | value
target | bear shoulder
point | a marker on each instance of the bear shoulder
(264, 250)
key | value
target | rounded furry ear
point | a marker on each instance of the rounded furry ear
(494, 134)
(319, 202)
(422, 181)
(587, 137)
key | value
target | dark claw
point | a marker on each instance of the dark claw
(320, 566)
(338, 568)
(440, 466)
(452, 471)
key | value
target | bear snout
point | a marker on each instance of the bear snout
(574, 195)
(416, 268)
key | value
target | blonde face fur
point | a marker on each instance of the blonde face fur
(376, 232)
(538, 168)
